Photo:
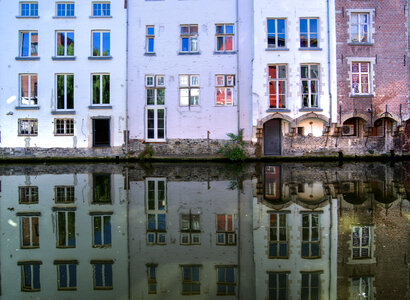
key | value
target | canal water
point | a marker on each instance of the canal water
(200, 231)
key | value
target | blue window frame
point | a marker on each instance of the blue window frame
(65, 9)
(101, 9)
(29, 9)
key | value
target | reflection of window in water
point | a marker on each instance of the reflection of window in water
(278, 238)
(190, 229)
(155, 194)
(226, 284)
(30, 236)
(64, 194)
(101, 231)
(361, 241)
(152, 278)
(278, 285)
(272, 181)
(28, 194)
(190, 280)
(310, 235)
(225, 230)
(66, 275)
(301, 187)
(102, 275)
(101, 189)
(30, 276)
(310, 286)
(65, 229)
(361, 288)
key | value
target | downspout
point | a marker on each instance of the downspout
(328, 63)
(237, 63)
(251, 65)
(126, 81)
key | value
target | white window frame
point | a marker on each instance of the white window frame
(33, 51)
(224, 36)
(101, 95)
(104, 285)
(278, 288)
(28, 194)
(190, 236)
(65, 9)
(30, 124)
(65, 32)
(192, 38)
(65, 80)
(360, 247)
(310, 241)
(31, 12)
(371, 63)
(275, 33)
(156, 236)
(68, 129)
(23, 276)
(226, 284)
(309, 80)
(31, 233)
(189, 82)
(30, 100)
(371, 28)
(362, 290)
(309, 33)
(101, 217)
(64, 194)
(62, 264)
(224, 84)
(155, 84)
(101, 45)
(276, 81)
(66, 228)
(226, 236)
(275, 231)
(191, 282)
(309, 287)
(101, 9)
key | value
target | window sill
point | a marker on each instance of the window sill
(189, 108)
(277, 49)
(63, 57)
(100, 107)
(305, 109)
(63, 112)
(150, 54)
(64, 17)
(100, 17)
(224, 52)
(157, 142)
(27, 107)
(20, 134)
(99, 57)
(362, 96)
(63, 134)
(360, 44)
(189, 53)
(227, 105)
(285, 110)
(27, 17)
(310, 49)
(27, 57)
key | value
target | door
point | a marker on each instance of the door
(101, 132)
(272, 137)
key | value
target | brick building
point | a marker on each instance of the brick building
(372, 71)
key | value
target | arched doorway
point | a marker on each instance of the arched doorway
(272, 137)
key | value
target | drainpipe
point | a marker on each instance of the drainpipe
(126, 82)
(251, 65)
(328, 63)
(237, 62)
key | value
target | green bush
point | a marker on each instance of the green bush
(235, 148)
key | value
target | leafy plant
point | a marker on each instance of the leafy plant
(235, 148)
(147, 153)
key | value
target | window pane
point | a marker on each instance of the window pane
(70, 43)
(271, 26)
(70, 91)
(97, 231)
(106, 89)
(106, 44)
(25, 44)
(96, 43)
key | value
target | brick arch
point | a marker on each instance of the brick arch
(274, 116)
(312, 115)
(364, 117)
(388, 116)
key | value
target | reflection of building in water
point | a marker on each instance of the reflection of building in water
(294, 237)
(64, 235)
(190, 238)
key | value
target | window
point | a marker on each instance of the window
(28, 194)
(190, 280)
(155, 193)
(101, 9)
(224, 89)
(65, 9)
(27, 127)
(65, 91)
(66, 275)
(64, 126)
(224, 37)
(359, 27)
(30, 236)
(278, 236)
(308, 33)
(102, 275)
(65, 229)
(101, 231)
(101, 189)
(278, 285)
(226, 282)
(361, 288)
(310, 85)
(149, 39)
(30, 276)
(277, 86)
(276, 33)
(190, 229)
(225, 230)
(28, 43)
(360, 78)
(155, 112)
(188, 90)
(189, 38)
(310, 235)
(101, 88)
(64, 194)
(310, 286)
(361, 241)
(65, 43)
(29, 9)
(101, 43)
(28, 89)
(152, 279)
